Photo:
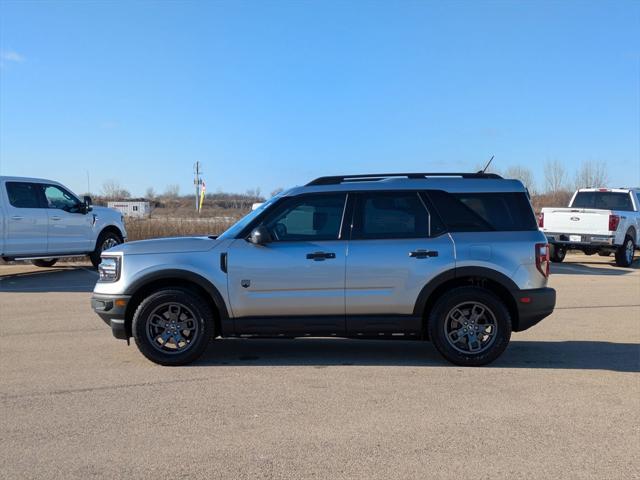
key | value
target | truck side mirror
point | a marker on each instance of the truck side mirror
(260, 235)
(86, 206)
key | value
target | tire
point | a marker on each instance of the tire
(624, 253)
(45, 263)
(557, 254)
(159, 340)
(443, 324)
(105, 240)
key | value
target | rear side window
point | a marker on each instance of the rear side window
(24, 195)
(390, 215)
(484, 212)
(603, 201)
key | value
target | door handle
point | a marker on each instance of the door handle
(16, 217)
(56, 218)
(423, 253)
(320, 256)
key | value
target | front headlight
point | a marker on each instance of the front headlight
(109, 269)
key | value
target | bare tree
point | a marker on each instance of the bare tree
(524, 175)
(172, 191)
(253, 192)
(591, 174)
(277, 191)
(150, 194)
(555, 176)
(112, 190)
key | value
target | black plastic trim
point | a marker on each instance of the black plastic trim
(364, 177)
(429, 288)
(113, 315)
(291, 325)
(541, 303)
(226, 323)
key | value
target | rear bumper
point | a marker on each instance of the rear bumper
(533, 305)
(586, 240)
(111, 309)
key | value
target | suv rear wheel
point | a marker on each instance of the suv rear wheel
(470, 326)
(172, 326)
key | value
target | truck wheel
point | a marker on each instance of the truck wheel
(105, 241)
(470, 326)
(45, 263)
(557, 253)
(624, 253)
(172, 326)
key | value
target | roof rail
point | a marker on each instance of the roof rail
(372, 177)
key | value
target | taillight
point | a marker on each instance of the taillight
(614, 221)
(541, 220)
(542, 258)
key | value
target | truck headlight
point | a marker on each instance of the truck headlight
(109, 269)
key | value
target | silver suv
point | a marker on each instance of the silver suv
(452, 258)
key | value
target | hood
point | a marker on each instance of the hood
(166, 245)
(105, 212)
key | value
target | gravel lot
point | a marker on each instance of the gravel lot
(562, 402)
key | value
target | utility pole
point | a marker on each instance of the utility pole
(88, 184)
(197, 181)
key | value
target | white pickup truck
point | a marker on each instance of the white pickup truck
(598, 220)
(41, 220)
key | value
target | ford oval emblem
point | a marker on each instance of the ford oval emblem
(575, 219)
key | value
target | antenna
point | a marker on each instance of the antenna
(487, 165)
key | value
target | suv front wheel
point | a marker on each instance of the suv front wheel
(470, 326)
(173, 326)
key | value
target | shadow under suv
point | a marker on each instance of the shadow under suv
(456, 259)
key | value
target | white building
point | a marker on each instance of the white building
(131, 209)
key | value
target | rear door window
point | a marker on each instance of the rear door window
(603, 201)
(484, 212)
(390, 215)
(24, 195)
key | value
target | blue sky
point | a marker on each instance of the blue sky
(272, 94)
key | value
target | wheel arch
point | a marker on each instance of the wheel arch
(631, 231)
(492, 280)
(110, 229)
(147, 284)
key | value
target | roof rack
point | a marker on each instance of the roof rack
(372, 177)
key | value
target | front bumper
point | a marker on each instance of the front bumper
(112, 309)
(533, 305)
(586, 240)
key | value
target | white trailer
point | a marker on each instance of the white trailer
(131, 208)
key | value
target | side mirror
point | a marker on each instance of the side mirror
(260, 236)
(86, 206)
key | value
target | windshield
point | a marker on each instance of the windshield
(237, 227)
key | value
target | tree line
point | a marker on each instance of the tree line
(553, 189)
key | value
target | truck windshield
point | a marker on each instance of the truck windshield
(603, 201)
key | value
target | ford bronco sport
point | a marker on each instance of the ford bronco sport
(456, 259)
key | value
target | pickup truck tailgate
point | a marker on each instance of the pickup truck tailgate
(575, 220)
